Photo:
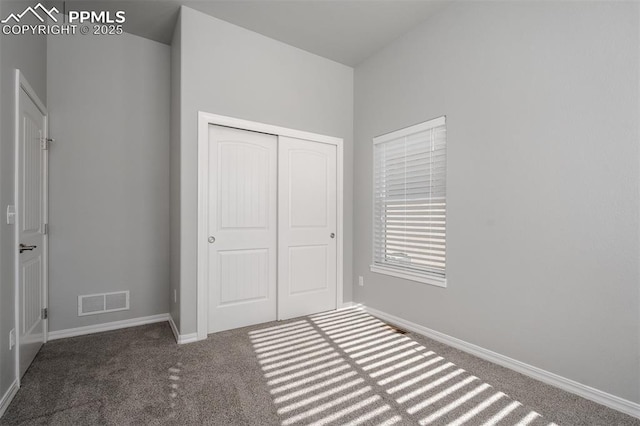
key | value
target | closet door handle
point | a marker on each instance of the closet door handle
(211, 240)
(332, 235)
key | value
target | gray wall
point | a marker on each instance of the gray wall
(27, 53)
(231, 71)
(176, 47)
(109, 104)
(542, 126)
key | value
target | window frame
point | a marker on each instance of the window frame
(417, 276)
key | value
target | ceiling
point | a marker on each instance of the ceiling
(346, 31)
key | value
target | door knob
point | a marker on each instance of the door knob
(25, 247)
(211, 240)
(332, 235)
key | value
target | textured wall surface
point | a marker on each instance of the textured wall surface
(541, 100)
(228, 70)
(109, 105)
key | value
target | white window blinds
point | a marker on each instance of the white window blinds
(409, 234)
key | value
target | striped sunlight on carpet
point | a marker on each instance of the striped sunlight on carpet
(349, 368)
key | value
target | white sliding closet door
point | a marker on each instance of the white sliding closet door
(307, 219)
(242, 228)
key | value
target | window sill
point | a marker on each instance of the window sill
(438, 282)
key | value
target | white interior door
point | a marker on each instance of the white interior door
(31, 172)
(242, 228)
(307, 219)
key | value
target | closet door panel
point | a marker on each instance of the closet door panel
(307, 219)
(242, 228)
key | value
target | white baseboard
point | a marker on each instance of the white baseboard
(8, 397)
(346, 305)
(182, 338)
(107, 326)
(188, 338)
(601, 397)
(174, 329)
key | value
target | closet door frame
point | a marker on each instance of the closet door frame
(204, 121)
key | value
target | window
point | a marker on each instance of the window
(409, 226)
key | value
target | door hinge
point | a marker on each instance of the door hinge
(44, 143)
(45, 228)
(45, 313)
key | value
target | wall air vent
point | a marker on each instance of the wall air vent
(92, 304)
